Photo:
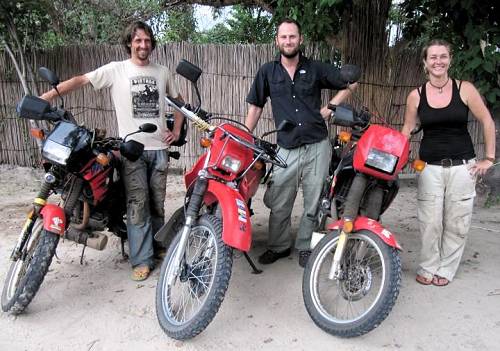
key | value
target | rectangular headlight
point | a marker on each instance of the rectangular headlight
(55, 152)
(231, 164)
(381, 160)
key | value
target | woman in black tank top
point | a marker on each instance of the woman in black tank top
(446, 187)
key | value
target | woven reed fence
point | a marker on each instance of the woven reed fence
(228, 72)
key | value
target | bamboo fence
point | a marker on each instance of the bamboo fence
(228, 72)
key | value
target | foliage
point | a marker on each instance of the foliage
(179, 25)
(247, 25)
(46, 24)
(319, 19)
(471, 27)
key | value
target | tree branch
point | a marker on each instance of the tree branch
(268, 5)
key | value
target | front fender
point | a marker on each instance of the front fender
(54, 219)
(236, 226)
(372, 225)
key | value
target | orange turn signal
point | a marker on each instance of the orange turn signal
(258, 165)
(418, 165)
(205, 142)
(348, 225)
(344, 136)
(102, 159)
(37, 133)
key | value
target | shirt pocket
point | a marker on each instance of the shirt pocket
(305, 85)
(277, 87)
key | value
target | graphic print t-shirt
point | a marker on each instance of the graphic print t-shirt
(137, 93)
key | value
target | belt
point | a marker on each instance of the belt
(448, 162)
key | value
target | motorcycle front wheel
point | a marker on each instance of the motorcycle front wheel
(364, 294)
(186, 306)
(26, 274)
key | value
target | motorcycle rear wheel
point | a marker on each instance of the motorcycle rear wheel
(27, 273)
(185, 308)
(366, 291)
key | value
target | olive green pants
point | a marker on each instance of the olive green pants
(307, 167)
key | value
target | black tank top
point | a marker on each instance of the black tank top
(445, 129)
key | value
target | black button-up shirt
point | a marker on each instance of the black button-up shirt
(297, 100)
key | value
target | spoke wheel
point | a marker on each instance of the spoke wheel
(186, 306)
(364, 294)
(26, 274)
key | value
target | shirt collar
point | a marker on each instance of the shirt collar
(302, 58)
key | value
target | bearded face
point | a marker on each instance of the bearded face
(288, 40)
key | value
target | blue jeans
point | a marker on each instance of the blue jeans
(145, 183)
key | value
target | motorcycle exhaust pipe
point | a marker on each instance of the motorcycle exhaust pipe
(97, 241)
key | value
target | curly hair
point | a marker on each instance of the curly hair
(130, 31)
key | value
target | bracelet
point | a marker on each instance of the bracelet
(492, 159)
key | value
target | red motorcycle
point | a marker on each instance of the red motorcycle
(352, 279)
(81, 166)
(215, 220)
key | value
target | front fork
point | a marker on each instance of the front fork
(195, 203)
(335, 271)
(351, 209)
(38, 203)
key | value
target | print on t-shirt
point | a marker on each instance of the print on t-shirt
(145, 96)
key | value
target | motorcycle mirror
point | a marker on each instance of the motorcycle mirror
(49, 76)
(350, 73)
(148, 128)
(188, 70)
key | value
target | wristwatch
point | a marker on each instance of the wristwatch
(492, 159)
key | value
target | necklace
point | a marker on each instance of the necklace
(440, 89)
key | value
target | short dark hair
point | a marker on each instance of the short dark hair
(129, 34)
(433, 42)
(288, 20)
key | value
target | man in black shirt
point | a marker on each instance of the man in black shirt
(294, 83)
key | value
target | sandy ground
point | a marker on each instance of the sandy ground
(95, 306)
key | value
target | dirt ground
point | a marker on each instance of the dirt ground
(95, 306)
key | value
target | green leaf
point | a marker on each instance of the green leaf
(488, 66)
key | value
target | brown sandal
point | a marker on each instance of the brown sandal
(439, 281)
(140, 272)
(423, 280)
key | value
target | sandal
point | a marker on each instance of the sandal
(140, 272)
(439, 281)
(423, 280)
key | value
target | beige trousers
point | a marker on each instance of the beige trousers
(445, 202)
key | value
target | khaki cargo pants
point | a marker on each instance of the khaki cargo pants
(445, 202)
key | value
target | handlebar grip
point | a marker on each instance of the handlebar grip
(331, 107)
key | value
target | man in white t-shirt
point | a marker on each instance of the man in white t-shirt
(137, 89)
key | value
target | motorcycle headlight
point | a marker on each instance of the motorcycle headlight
(231, 164)
(381, 160)
(55, 152)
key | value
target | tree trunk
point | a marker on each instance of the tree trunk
(492, 178)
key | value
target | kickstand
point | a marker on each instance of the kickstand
(124, 255)
(255, 270)
(83, 252)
